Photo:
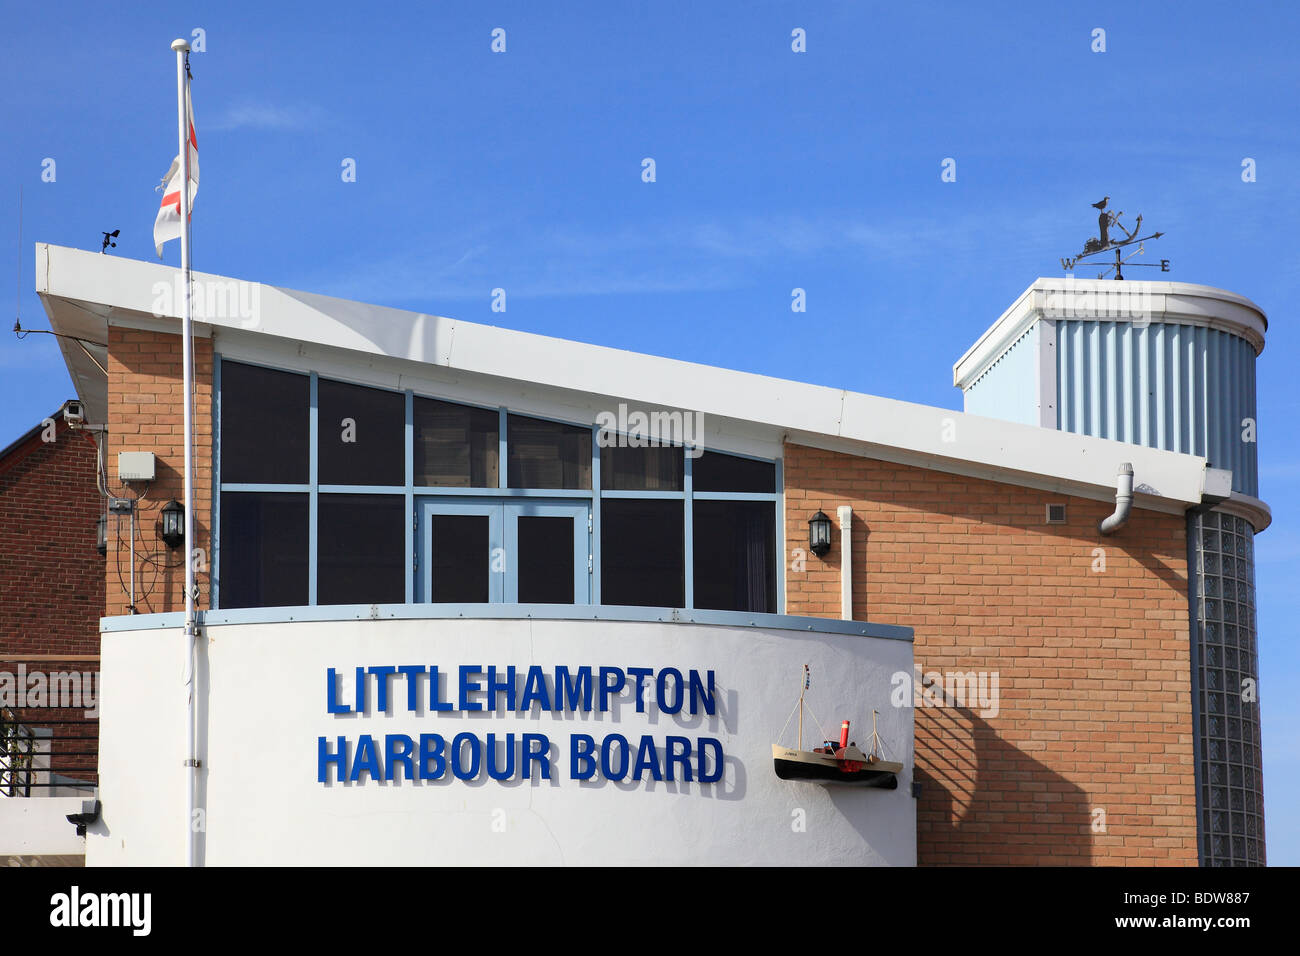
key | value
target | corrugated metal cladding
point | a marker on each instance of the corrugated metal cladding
(1008, 389)
(1182, 388)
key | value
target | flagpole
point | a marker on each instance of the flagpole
(182, 49)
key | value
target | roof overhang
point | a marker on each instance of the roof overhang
(83, 293)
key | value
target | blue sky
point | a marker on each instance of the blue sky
(774, 170)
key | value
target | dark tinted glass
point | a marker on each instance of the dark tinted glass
(545, 559)
(362, 434)
(714, 471)
(641, 469)
(361, 542)
(265, 425)
(263, 550)
(456, 446)
(735, 555)
(546, 454)
(642, 553)
(460, 560)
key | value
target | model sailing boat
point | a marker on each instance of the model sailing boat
(832, 763)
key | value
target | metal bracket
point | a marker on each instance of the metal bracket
(89, 814)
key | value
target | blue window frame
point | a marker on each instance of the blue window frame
(528, 523)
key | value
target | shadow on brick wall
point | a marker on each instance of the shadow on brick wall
(983, 801)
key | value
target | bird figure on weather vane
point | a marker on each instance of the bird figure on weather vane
(1104, 242)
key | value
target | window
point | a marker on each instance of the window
(641, 469)
(643, 556)
(714, 471)
(545, 454)
(544, 556)
(456, 446)
(265, 425)
(460, 558)
(361, 540)
(263, 550)
(458, 533)
(361, 435)
(735, 555)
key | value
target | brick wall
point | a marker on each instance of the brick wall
(51, 592)
(145, 401)
(1093, 666)
(51, 576)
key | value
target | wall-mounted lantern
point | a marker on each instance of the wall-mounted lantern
(819, 534)
(101, 534)
(173, 524)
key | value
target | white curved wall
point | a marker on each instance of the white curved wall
(263, 708)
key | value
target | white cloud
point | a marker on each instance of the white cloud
(665, 257)
(264, 117)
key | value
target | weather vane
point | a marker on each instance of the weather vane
(1104, 243)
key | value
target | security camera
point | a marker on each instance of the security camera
(74, 413)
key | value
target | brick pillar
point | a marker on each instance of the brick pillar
(145, 409)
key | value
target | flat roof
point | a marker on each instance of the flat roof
(82, 292)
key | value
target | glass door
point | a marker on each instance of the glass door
(548, 547)
(488, 551)
(461, 560)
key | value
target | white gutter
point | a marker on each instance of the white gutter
(1123, 501)
(845, 514)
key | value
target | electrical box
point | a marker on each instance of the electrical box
(135, 466)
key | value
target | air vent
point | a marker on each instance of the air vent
(1056, 513)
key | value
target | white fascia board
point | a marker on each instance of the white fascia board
(1017, 452)
(1172, 302)
(996, 473)
(1020, 452)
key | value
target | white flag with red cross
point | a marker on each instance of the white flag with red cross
(168, 224)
